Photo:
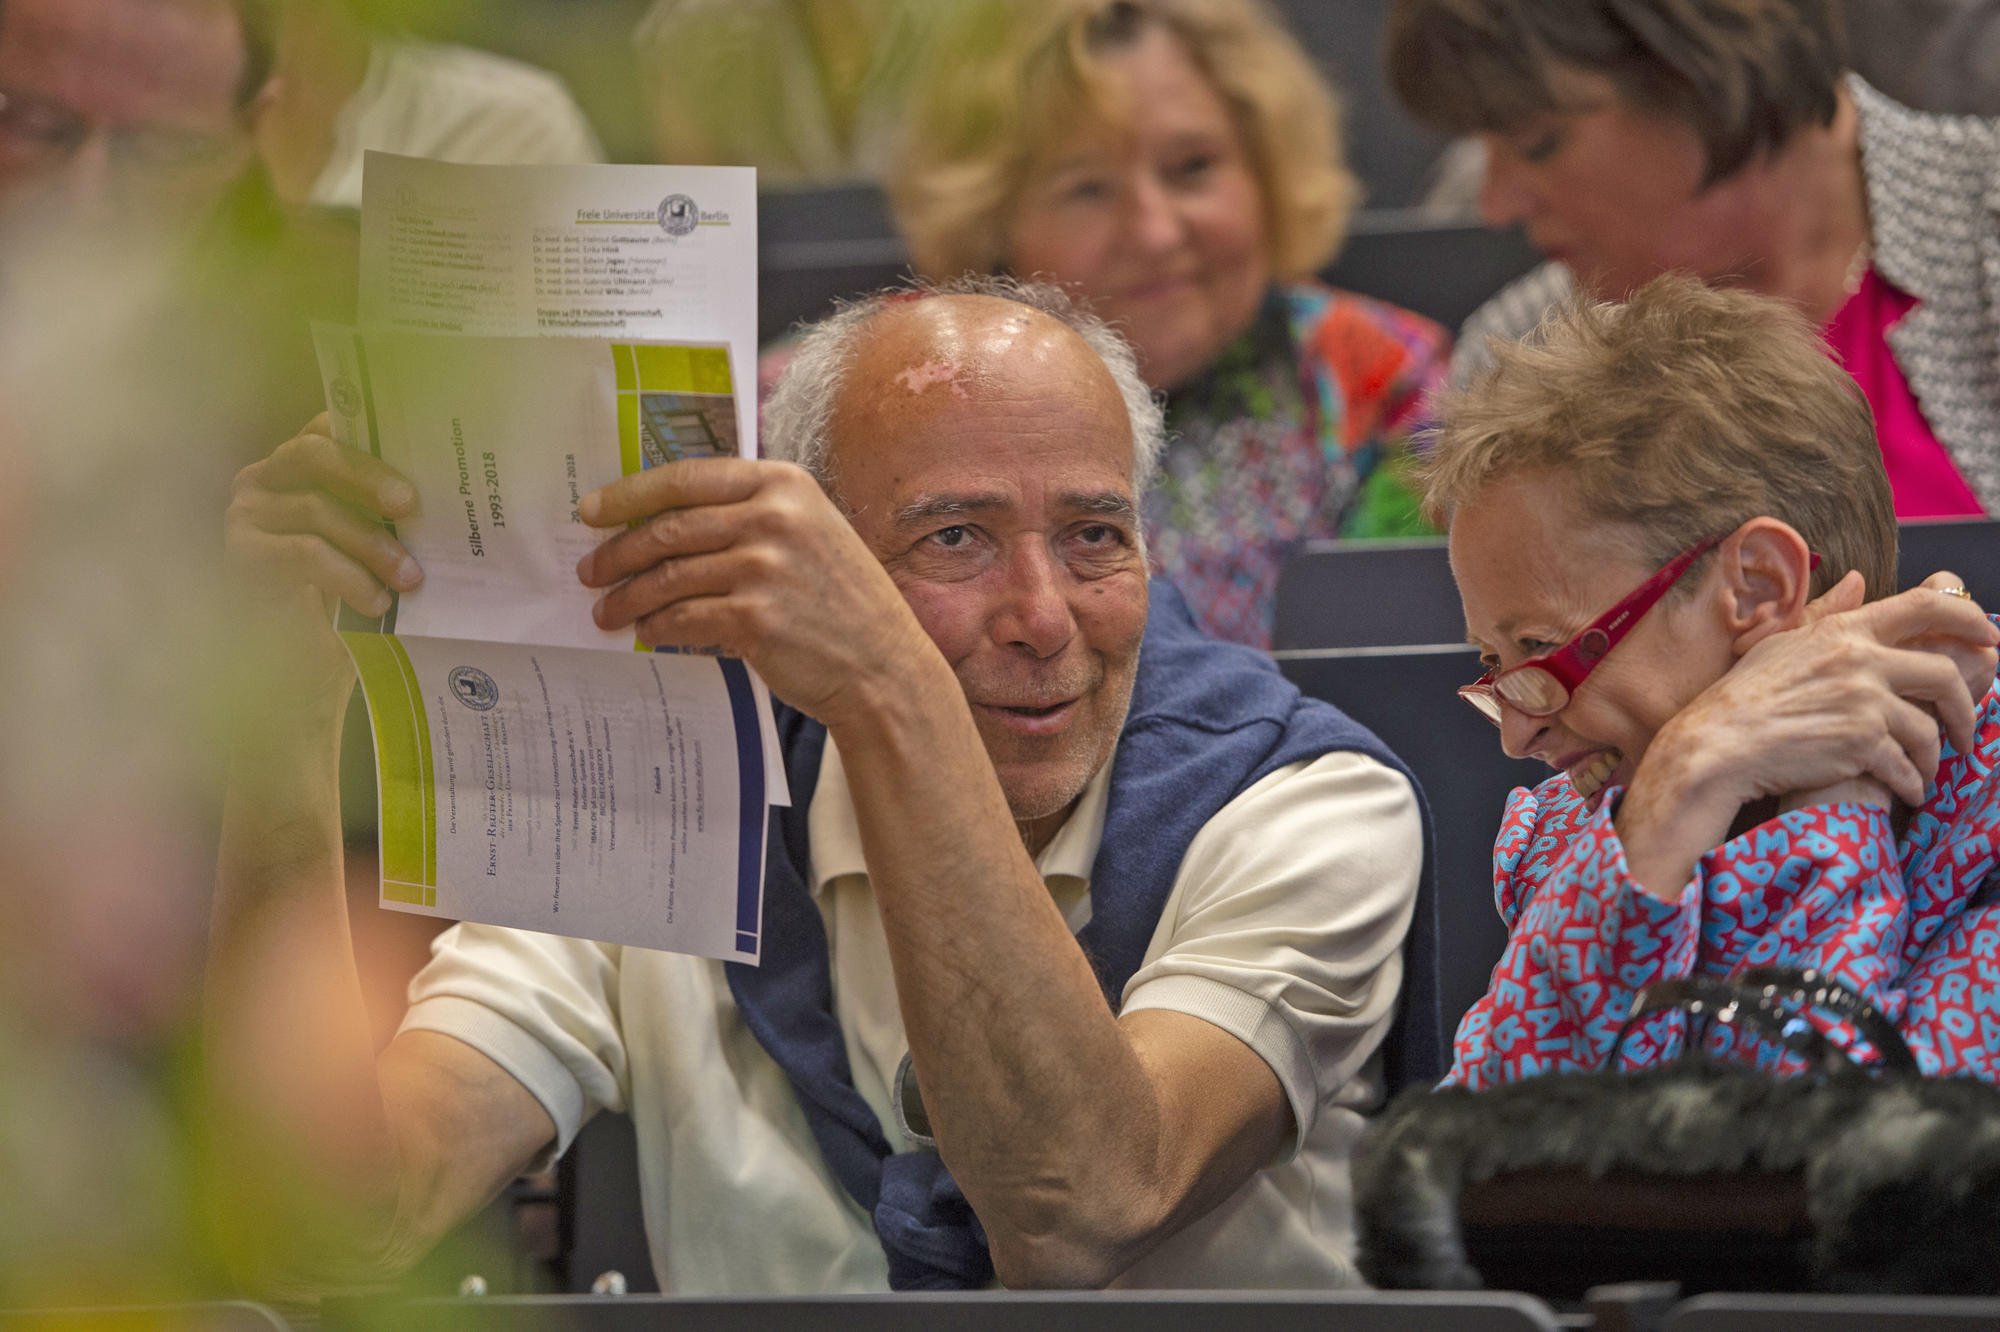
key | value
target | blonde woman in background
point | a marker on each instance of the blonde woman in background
(1177, 163)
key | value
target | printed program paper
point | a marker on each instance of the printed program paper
(534, 770)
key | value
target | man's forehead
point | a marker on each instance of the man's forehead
(125, 62)
(947, 395)
(962, 347)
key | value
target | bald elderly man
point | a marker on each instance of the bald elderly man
(1082, 936)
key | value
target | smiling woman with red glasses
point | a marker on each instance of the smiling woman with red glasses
(1666, 517)
(1542, 686)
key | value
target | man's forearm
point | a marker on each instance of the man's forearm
(1041, 1107)
(1673, 814)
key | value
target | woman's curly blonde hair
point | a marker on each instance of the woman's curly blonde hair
(1008, 75)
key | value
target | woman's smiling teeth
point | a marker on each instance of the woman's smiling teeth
(1589, 776)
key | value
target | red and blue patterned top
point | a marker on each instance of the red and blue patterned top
(1911, 925)
(1297, 431)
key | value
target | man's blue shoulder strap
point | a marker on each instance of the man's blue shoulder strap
(1207, 721)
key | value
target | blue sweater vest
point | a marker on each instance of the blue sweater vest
(1207, 721)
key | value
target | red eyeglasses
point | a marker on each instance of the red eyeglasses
(1542, 686)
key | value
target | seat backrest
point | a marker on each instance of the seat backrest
(1354, 594)
(603, 1219)
(1357, 594)
(1834, 1313)
(206, 1316)
(973, 1311)
(1969, 547)
(1406, 696)
(816, 245)
(1392, 153)
(1441, 270)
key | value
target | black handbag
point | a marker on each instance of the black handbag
(1772, 1003)
(1713, 1174)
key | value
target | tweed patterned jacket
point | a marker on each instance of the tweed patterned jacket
(1934, 207)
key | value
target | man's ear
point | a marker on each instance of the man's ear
(1766, 572)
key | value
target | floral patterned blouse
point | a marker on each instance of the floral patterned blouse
(1911, 925)
(1298, 431)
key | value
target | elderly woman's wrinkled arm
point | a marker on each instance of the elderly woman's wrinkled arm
(1975, 663)
(1856, 693)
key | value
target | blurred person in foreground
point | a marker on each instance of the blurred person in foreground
(103, 864)
(1725, 139)
(1133, 907)
(1665, 519)
(108, 789)
(121, 123)
(149, 103)
(122, 104)
(123, 134)
(1177, 164)
(127, 163)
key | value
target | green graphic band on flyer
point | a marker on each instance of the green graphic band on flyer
(403, 763)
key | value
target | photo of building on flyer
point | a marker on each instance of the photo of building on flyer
(673, 426)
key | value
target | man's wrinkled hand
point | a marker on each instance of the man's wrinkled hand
(305, 529)
(752, 556)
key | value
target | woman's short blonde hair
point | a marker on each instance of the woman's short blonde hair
(1684, 412)
(1008, 75)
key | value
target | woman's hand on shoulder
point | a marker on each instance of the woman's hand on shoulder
(1858, 691)
(1976, 660)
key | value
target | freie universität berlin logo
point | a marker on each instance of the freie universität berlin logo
(473, 687)
(678, 215)
(346, 397)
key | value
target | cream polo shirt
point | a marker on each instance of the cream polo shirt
(456, 104)
(1284, 927)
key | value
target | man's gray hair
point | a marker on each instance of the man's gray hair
(797, 415)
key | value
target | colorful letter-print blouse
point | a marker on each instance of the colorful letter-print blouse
(1913, 926)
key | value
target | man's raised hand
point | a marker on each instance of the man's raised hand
(753, 556)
